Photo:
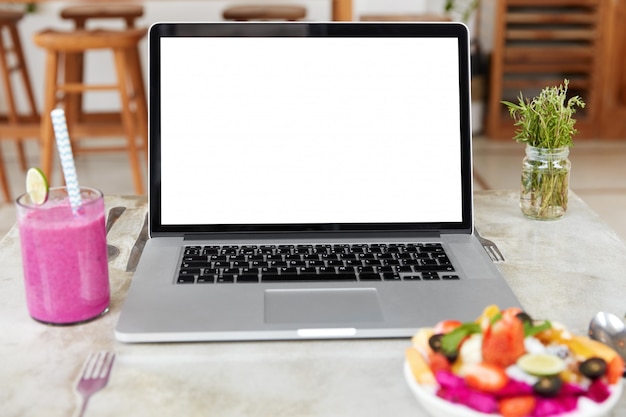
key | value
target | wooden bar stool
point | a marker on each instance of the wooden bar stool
(80, 14)
(123, 46)
(74, 67)
(14, 124)
(264, 12)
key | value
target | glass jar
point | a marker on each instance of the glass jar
(545, 183)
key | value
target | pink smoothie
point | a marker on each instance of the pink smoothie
(65, 261)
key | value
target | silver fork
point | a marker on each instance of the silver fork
(490, 247)
(95, 376)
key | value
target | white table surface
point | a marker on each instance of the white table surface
(565, 270)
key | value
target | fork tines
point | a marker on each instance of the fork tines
(98, 365)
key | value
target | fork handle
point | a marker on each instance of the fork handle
(81, 413)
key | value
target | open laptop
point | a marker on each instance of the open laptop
(308, 180)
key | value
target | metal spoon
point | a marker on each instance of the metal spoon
(610, 330)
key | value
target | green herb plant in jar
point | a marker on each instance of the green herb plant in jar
(546, 125)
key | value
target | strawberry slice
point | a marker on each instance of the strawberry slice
(503, 341)
(521, 406)
(485, 377)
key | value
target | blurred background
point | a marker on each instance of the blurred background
(517, 46)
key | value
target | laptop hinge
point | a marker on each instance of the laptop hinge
(366, 236)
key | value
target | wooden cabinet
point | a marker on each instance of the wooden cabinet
(541, 42)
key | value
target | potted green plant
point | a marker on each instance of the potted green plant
(546, 125)
(464, 7)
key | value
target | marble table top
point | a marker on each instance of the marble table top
(565, 270)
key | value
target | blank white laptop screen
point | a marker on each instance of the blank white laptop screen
(310, 130)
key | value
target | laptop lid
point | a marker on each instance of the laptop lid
(309, 128)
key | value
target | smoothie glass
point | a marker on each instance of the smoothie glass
(64, 255)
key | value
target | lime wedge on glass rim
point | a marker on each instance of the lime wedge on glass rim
(36, 186)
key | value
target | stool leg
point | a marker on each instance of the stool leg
(12, 115)
(74, 73)
(121, 64)
(6, 192)
(24, 75)
(7, 87)
(139, 90)
(47, 134)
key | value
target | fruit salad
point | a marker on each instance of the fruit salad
(509, 364)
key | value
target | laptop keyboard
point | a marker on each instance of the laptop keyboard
(311, 263)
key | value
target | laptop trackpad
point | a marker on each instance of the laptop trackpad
(328, 305)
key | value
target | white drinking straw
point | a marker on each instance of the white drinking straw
(67, 159)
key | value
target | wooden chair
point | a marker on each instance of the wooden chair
(264, 12)
(538, 43)
(129, 84)
(14, 124)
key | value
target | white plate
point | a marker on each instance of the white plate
(438, 407)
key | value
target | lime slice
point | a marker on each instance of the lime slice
(541, 364)
(37, 186)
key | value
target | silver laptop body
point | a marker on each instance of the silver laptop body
(279, 151)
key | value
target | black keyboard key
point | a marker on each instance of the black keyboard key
(186, 279)
(194, 264)
(389, 276)
(266, 249)
(205, 279)
(412, 278)
(190, 271)
(226, 279)
(248, 278)
(278, 264)
(371, 262)
(285, 249)
(210, 271)
(195, 258)
(299, 278)
(432, 247)
(248, 250)
(193, 250)
(431, 268)
(430, 276)
(450, 277)
(369, 277)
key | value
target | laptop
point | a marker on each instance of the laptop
(308, 181)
